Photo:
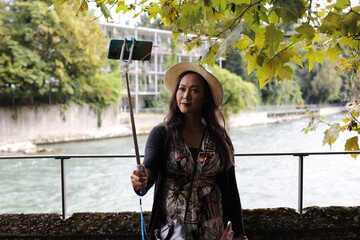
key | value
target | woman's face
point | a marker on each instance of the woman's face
(190, 95)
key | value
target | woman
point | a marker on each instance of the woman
(192, 137)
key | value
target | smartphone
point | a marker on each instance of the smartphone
(142, 50)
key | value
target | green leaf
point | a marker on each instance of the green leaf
(105, 11)
(352, 144)
(273, 38)
(296, 58)
(331, 23)
(350, 23)
(284, 72)
(289, 11)
(341, 4)
(305, 32)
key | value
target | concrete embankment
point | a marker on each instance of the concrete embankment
(23, 129)
(315, 223)
(251, 118)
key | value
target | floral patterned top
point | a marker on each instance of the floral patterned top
(204, 218)
(154, 159)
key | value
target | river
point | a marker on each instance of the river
(103, 185)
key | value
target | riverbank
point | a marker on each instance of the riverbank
(24, 130)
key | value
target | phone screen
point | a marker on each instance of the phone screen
(142, 50)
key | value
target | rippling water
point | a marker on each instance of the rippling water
(103, 185)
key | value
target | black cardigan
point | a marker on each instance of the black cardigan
(154, 162)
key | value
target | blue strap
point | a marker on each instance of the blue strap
(142, 224)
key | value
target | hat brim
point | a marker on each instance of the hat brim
(173, 74)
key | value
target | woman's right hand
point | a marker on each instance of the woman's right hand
(139, 179)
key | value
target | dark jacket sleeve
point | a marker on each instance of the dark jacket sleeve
(154, 153)
(231, 201)
(153, 156)
(154, 161)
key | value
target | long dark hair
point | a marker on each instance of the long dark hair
(212, 116)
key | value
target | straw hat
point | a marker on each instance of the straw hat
(172, 75)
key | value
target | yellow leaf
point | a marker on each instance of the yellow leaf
(240, 1)
(284, 72)
(154, 9)
(331, 134)
(352, 144)
(251, 62)
(332, 53)
(313, 57)
(321, 13)
(83, 6)
(273, 17)
(264, 74)
(176, 36)
(122, 7)
(346, 120)
(260, 38)
(58, 3)
(242, 44)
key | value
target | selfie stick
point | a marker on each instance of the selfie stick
(126, 70)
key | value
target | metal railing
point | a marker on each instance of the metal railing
(62, 159)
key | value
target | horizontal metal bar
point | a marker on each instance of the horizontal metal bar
(296, 154)
(70, 156)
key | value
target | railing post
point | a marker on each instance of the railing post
(300, 183)
(63, 186)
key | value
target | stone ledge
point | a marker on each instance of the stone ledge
(275, 223)
(314, 223)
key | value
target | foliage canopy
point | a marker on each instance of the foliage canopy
(324, 30)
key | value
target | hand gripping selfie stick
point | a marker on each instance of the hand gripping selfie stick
(139, 50)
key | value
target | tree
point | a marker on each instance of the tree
(255, 27)
(47, 54)
(321, 85)
(287, 92)
(274, 93)
(238, 94)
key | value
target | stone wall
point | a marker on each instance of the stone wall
(50, 124)
(276, 224)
